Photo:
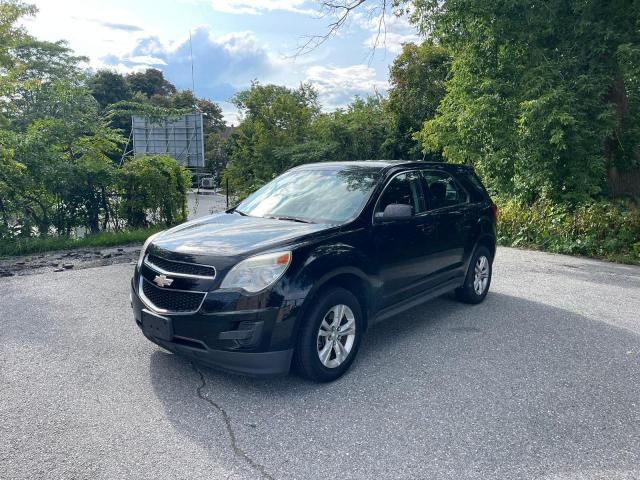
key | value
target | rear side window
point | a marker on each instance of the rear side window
(444, 191)
(471, 181)
(473, 178)
(404, 189)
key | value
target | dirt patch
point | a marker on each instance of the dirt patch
(199, 205)
(63, 261)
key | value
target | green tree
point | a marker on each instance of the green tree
(417, 77)
(11, 33)
(12, 178)
(542, 97)
(12, 172)
(275, 119)
(216, 154)
(151, 83)
(212, 115)
(56, 145)
(32, 70)
(55, 167)
(109, 87)
(355, 133)
(66, 153)
(154, 190)
(211, 112)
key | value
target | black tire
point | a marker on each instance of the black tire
(306, 358)
(467, 292)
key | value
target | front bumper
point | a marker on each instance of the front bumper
(245, 363)
(255, 342)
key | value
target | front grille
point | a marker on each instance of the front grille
(181, 267)
(171, 300)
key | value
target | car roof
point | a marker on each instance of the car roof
(379, 164)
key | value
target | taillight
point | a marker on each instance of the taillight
(494, 209)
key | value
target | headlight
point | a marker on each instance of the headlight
(144, 248)
(257, 273)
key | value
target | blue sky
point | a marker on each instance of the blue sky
(234, 42)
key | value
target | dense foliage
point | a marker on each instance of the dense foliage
(543, 96)
(417, 77)
(61, 140)
(275, 120)
(598, 229)
(284, 127)
(153, 191)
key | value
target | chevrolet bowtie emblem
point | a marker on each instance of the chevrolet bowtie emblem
(163, 280)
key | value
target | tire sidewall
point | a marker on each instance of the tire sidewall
(306, 350)
(470, 292)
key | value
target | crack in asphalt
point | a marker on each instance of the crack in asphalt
(237, 450)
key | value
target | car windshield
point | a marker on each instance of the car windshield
(322, 195)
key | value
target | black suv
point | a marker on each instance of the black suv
(298, 270)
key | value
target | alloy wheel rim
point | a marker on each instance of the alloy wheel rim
(336, 336)
(481, 275)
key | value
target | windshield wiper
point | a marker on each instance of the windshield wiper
(291, 219)
(240, 212)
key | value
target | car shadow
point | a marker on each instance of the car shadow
(508, 388)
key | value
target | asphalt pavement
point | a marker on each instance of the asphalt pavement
(204, 203)
(540, 381)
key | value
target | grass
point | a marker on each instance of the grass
(48, 244)
(602, 229)
(623, 258)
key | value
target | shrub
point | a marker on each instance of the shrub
(601, 229)
(153, 191)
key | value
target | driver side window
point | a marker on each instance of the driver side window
(404, 189)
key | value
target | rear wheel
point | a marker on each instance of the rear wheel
(330, 336)
(478, 279)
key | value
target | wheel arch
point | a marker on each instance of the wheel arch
(489, 242)
(350, 278)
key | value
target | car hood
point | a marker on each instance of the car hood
(232, 235)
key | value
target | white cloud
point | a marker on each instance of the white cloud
(391, 41)
(146, 60)
(372, 20)
(93, 30)
(118, 38)
(230, 113)
(338, 85)
(124, 27)
(255, 7)
(222, 64)
(388, 31)
(240, 43)
(121, 67)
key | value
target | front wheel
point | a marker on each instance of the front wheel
(478, 279)
(330, 336)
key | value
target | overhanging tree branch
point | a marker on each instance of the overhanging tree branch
(340, 11)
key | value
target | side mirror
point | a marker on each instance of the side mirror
(395, 211)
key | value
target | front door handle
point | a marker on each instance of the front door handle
(427, 228)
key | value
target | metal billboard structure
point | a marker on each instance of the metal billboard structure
(180, 137)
